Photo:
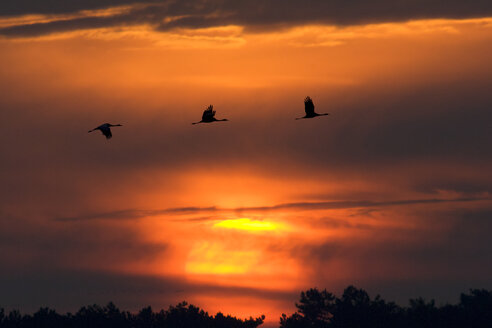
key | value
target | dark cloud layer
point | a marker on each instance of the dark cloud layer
(252, 14)
(23, 7)
(36, 244)
(309, 206)
(135, 214)
(68, 290)
(453, 261)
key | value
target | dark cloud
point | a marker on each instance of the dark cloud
(448, 260)
(136, 214)
(68, 290)
(23, 7)
(252, 14)
(65, 25)
(351, 204)
(309, 206)
(27, 243)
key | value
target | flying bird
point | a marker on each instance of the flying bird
(105, 129)
(309, 109)
(209, 116)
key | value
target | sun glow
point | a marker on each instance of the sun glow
(214, 258)
(248, 224)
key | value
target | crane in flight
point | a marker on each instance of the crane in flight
(105, 129)
(309, 109)
(209, 116)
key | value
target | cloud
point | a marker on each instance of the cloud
(254, 15)
(68, 290)
(137, 214)
(27, 243)
(449, 254)
(351, 204)
(301, 206)
(24, 7)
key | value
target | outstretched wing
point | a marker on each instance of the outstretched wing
(106, 131)
(208, 113)
(308, 106)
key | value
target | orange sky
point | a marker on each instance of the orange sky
(390, 192)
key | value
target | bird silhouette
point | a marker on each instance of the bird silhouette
(309, 109)
(105, 129)
(209, 116)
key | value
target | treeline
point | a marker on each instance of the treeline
(315, 309)
(109, 316)
(355, 309)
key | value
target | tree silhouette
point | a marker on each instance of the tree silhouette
(183, 315)
(315, 309)
(477, 308)
(355, 309)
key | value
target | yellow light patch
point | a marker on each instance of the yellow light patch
(247, 224)
(214, 258)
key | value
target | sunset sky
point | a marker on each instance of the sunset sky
(391, 192)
